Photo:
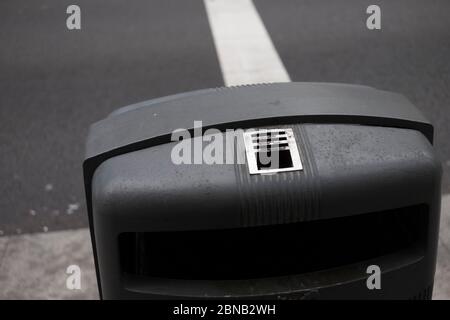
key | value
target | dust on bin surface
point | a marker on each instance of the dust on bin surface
(366, 192)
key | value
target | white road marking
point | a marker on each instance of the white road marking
(246, 56)
(246, 52)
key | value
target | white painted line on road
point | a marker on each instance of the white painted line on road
(244, 48)
(247, 56)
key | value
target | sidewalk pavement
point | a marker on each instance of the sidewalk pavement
(34, 266)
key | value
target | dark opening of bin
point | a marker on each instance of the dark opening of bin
(276, 250)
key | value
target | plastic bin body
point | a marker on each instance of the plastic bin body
(368, 193)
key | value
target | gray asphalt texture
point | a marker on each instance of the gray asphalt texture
(329, 41)
(55, 82)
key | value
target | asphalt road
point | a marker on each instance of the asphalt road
(55, 82)
(329, 41)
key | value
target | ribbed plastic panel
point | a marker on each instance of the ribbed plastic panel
(425, 294)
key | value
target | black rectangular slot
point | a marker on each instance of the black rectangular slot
(274, 159)
(277, 250)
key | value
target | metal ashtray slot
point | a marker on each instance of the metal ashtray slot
(271, 151)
